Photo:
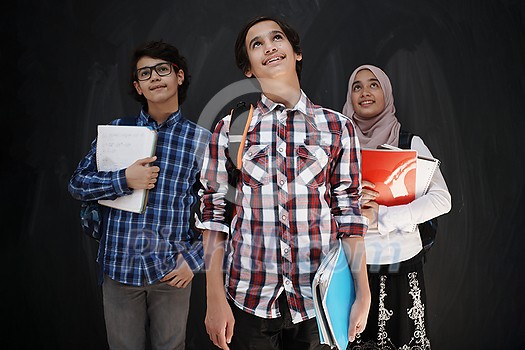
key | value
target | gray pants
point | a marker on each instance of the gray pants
(129, 309)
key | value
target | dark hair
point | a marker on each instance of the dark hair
(241, 55)
(164, 51)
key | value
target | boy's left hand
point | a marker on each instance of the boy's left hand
(180, 276)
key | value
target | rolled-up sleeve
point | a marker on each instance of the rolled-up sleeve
(346, 186)
(214, 179)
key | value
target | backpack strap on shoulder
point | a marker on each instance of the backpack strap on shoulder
(241, 117)
(405, 139)
(128, 121)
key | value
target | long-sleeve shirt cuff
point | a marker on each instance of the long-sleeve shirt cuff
(194, 256)
(394, 218)
(120, 185)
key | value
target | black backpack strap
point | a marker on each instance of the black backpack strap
(128, 121)
(405, 139)
(195, 208)
(239, 123)
(240, 118)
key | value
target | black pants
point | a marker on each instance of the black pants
(255, 333)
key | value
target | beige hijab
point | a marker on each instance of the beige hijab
(383, 128)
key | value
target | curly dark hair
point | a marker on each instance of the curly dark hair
(164, 51)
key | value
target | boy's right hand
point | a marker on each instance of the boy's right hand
(141, 176)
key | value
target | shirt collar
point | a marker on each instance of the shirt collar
(146, 120)
(265, 106)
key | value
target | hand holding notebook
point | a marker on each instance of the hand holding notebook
(118, 147)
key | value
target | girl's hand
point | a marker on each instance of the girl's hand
(370, 210)
(368, 193)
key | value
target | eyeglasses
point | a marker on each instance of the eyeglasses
(162, 70)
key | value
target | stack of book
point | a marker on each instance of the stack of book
(333, 294)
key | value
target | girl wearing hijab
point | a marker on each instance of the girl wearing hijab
(394, 255)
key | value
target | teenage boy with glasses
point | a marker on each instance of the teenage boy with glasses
(149, 259)
(299, 189)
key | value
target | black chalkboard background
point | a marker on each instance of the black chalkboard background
(457, 68)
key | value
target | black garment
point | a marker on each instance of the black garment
(256, 333)
(397, 317)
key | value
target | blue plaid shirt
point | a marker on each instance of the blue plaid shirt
(145, 247)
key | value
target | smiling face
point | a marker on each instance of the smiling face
(159, 90)
(368, 99)
(270, 53)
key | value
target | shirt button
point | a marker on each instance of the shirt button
(283, 217)
(286, 250)
(281, 182)
(287, 282)
(250, 154)
(280, 150)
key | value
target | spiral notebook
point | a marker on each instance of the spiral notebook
(118, 147)
(425, 169)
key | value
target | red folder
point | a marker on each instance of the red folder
(393, 172)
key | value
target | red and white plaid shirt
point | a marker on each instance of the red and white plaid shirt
(299, 189)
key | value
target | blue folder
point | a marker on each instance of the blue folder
(333, 293)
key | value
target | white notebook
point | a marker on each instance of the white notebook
(118, 147)
(425, 169)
